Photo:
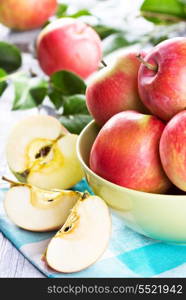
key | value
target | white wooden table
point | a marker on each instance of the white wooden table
(13, 263)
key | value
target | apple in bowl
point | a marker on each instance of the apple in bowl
(173, 149)
(161, 78)
(115, 88)
(158, 216)
(126, 152)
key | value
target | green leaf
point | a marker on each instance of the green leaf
(61, 10)
(156, 39)
(75, 104)
(10, 57)
(27, 94)
(68, 83)
(163, 11)
(22, 98)
(75, 123)
(38, 92)
(56, 97)
(105, 31)
(114, 42)
(81, 13)
(3, 74)
(3, 84)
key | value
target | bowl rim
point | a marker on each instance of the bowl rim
(118, 187)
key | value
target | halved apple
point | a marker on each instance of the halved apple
(40, 151)
(35, 209)
(83, 238)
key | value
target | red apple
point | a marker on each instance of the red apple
(69, 44)
(114, 89)
(26, 14)
(126, 152)
(162, 78)
(173, 150)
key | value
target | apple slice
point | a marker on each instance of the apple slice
(83, 238)
(35, 209)
(40, 151)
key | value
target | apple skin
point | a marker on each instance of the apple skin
(173, 149)
(77, 47)
(115, 88)
(164, 91)
(26, 14)
(126, 152)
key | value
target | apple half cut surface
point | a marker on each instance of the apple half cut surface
(83, 238)
(41, 152)
(35, 209)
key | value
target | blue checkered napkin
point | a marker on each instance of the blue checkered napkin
(129, 254)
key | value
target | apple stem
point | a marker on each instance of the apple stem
(85, 195)
(8, 180)
(146, 64)
(103, 63)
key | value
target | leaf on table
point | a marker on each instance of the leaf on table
(75, 123)
(104, 31)
(61, 10)
(68, 83)
(115, 42)
(156, 39)
(39, 92)
(163, 11)
(3, 83)
(10, 57)
(75, 104)
(3, 74)
(80, 13)
(75, 114)
(28, 94)
(56, 97)
(3, 86)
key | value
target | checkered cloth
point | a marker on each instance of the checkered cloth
(129, 254)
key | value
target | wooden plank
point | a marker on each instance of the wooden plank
(13, 263)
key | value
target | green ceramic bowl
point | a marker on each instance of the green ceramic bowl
(162, 217)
